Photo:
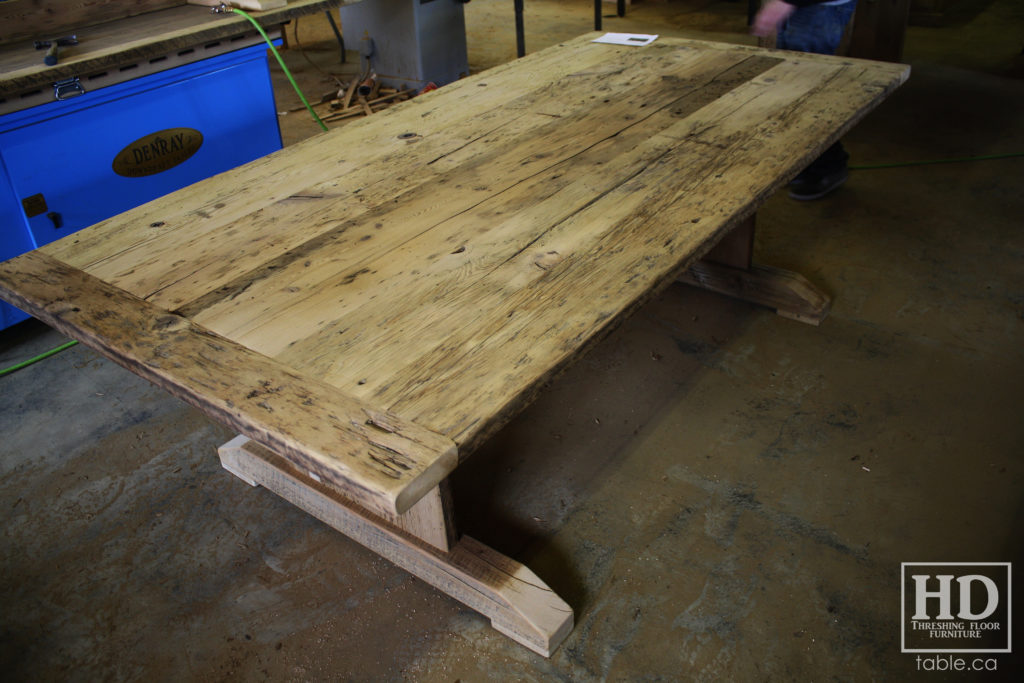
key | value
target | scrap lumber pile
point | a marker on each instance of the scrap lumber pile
(362, 98)
(358, 97)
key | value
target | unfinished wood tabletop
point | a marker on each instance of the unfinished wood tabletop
(422, 273)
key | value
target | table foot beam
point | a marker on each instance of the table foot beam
(790, 294)
(516, 601)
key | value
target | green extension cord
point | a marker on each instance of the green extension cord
(281, 62)
(30, 361)
(900, 164)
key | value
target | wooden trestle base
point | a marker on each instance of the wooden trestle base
(789, 294)
(424, 543)
(424, 540)
(729, 269)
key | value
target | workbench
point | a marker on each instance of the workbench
(370, 305)
(114, 34)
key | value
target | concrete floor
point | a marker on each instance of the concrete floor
(720, 493)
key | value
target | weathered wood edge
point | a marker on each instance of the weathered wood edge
(789, 294)
(473, 438)
(518, 603)
(431, 519)
(209, 27)
(894, 68)
(382, 461)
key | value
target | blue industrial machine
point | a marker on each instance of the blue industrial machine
(93, 147)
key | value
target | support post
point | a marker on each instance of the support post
(728, 269)
(516, 601)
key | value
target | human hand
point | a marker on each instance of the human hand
(770, 16)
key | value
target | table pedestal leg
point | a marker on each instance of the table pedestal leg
(727, 269)
(516, 601)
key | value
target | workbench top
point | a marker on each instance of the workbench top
(124, 41)
(411, 280)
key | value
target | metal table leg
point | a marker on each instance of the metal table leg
(337, 34)
(520, 38)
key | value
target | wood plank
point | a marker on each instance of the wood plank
(535, 331)
(345, 174)
(451, 291)
(789, 294)
(736, 248)
(377, 458)
(44, 19)
(728, 269)
(518, 603)
(431, 519)
(500, 323)
(498, 175)
(115, 43)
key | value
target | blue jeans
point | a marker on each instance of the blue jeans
(817, 28)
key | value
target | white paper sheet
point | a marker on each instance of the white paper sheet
(637, 39)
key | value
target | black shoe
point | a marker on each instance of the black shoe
(814, 184)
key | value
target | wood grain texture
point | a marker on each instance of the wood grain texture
(133, 38)
(736, 248)
(44, 19)
(431, 519)
(446, 258)
(384, 462)
(518, 603)
(789, 294)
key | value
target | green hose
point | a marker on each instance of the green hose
(899, 164)
(281, 62)
(25, 364)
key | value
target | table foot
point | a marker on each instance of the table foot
(516, 601)
(790, 294)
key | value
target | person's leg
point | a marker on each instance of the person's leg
(824, 174)
(818, 29)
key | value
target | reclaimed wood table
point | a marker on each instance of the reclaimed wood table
(368, 306)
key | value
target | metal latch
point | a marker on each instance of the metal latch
(68, 88)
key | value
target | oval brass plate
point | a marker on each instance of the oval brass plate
(157, 152)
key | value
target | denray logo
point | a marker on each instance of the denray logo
(157, 152)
